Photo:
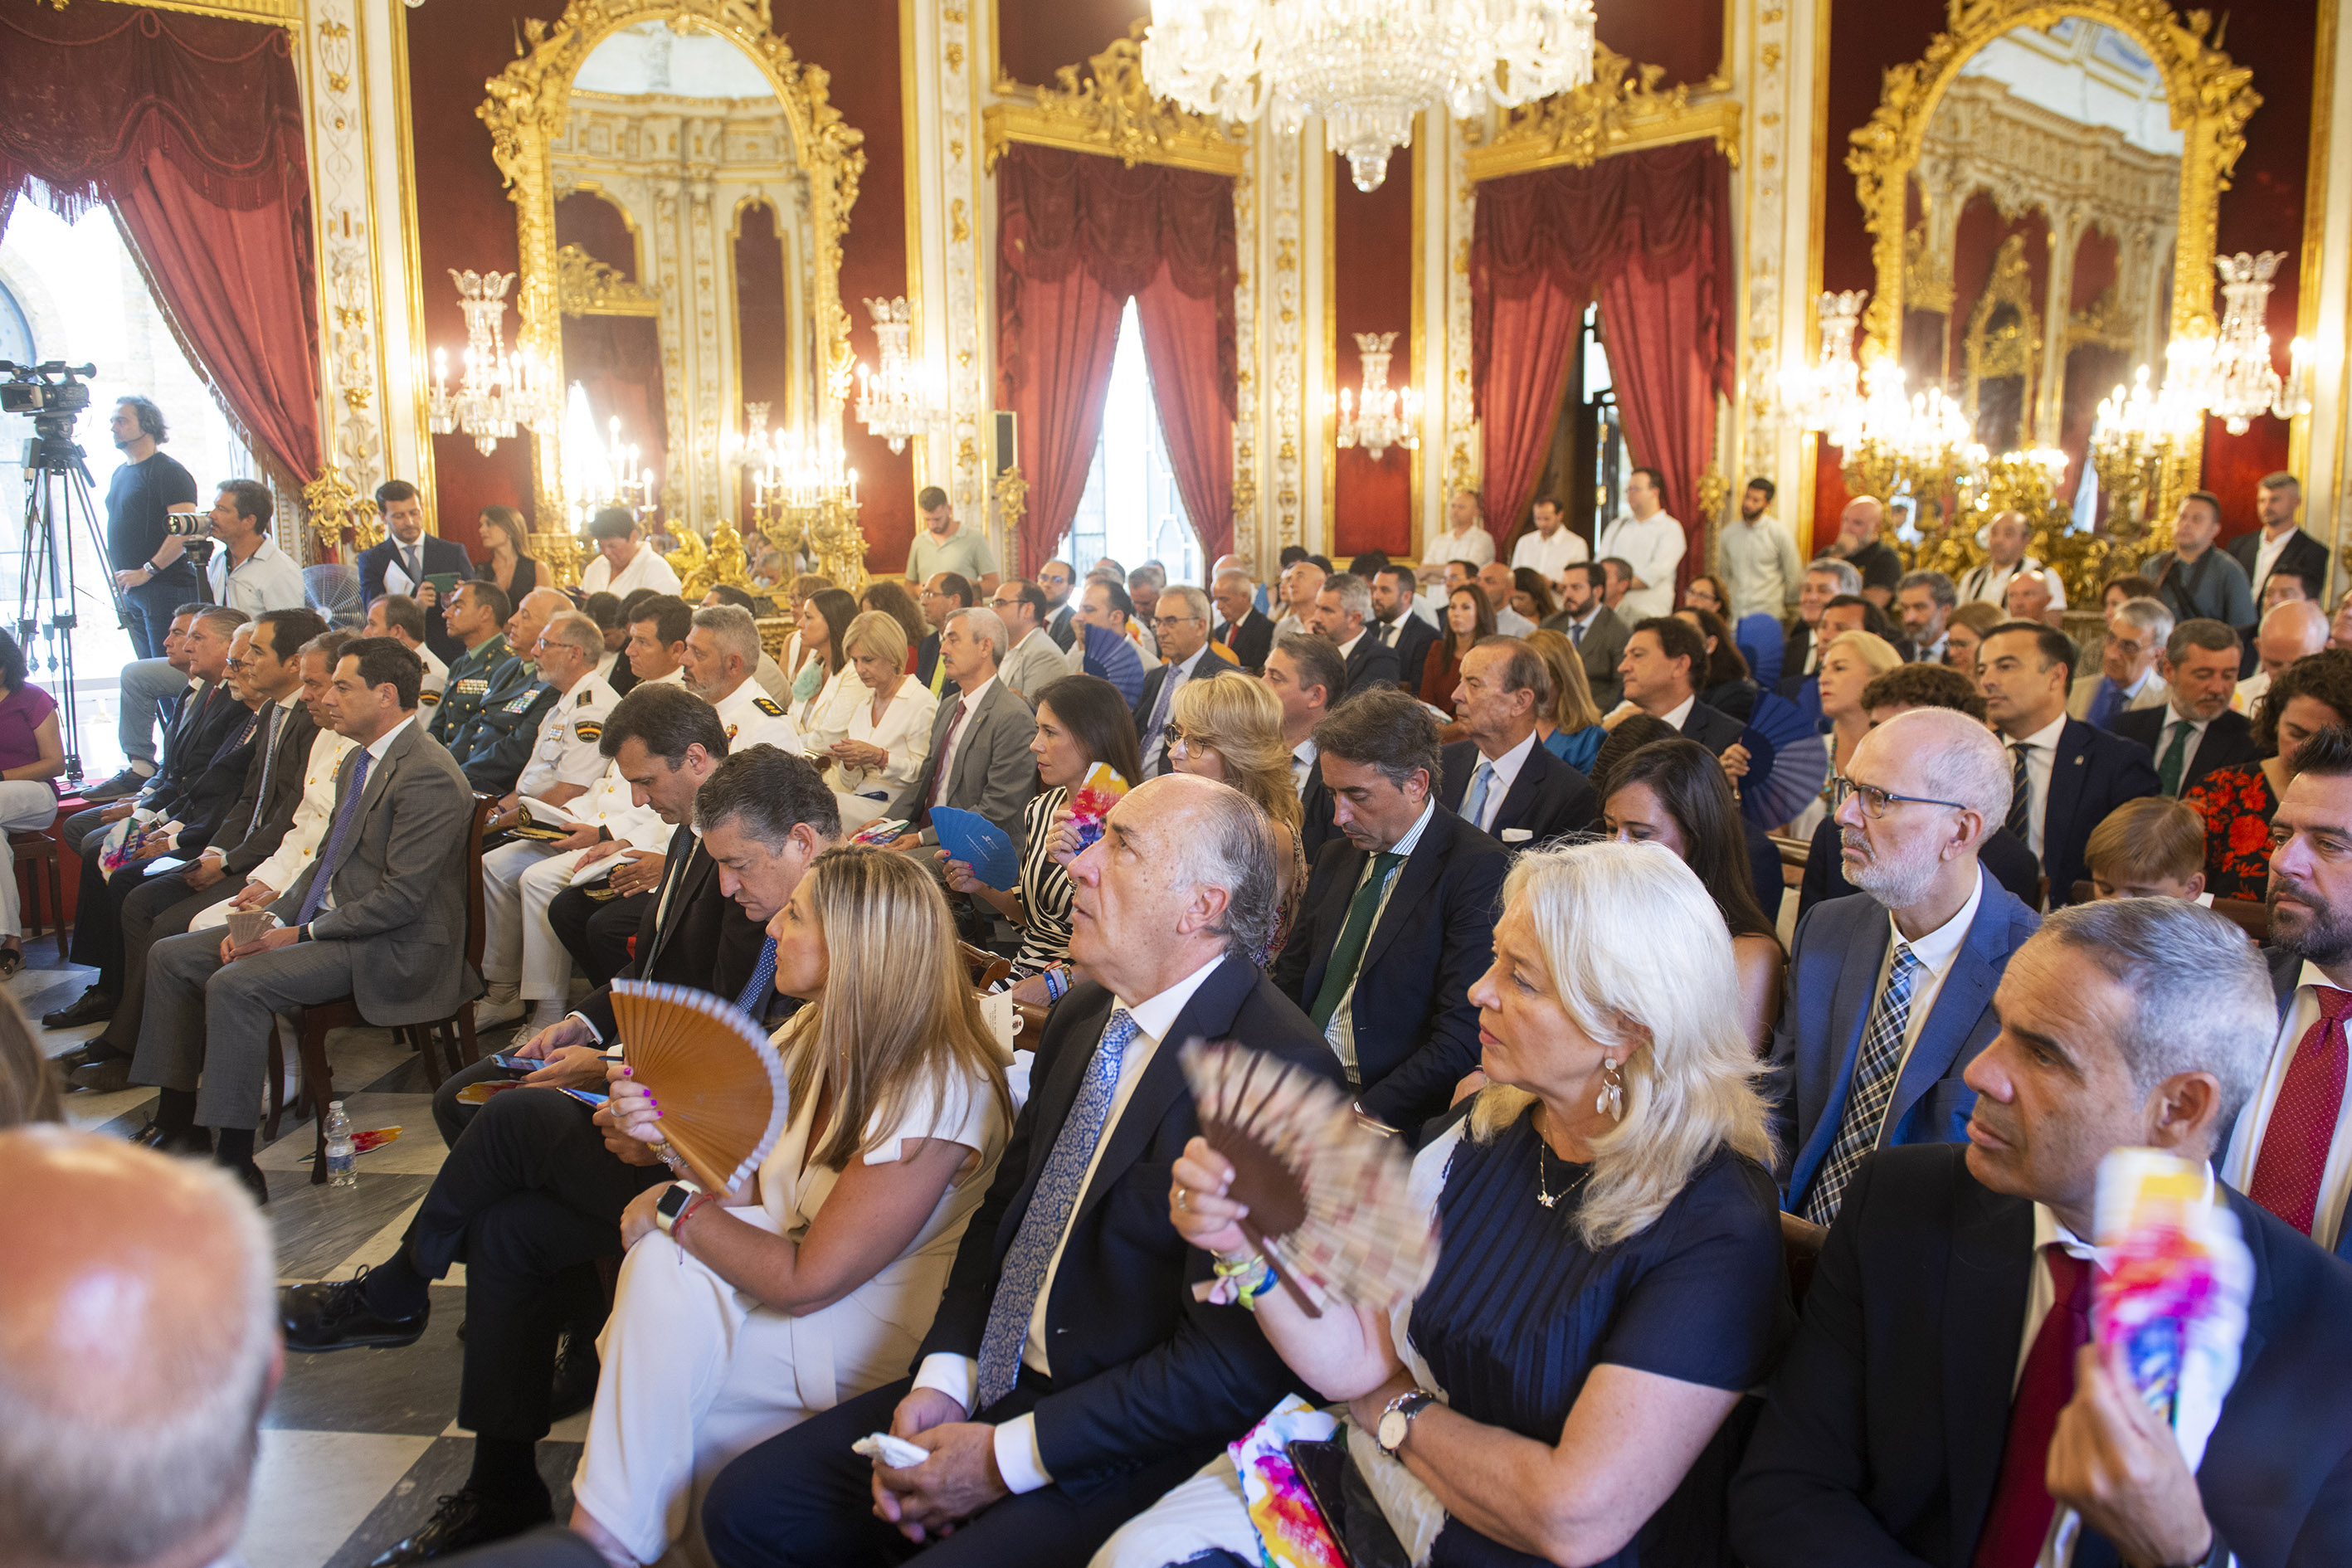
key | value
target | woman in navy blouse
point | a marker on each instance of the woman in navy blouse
(1609, 1277)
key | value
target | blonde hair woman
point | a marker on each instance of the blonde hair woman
(748, 1311)
(886, 721)
(1231, 731)
(1572, 730)
(1849, 661)
(1608, 1278)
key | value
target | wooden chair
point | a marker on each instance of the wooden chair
(1800, 1248)
(455, 1032)
(36, 855)
(2249, 915)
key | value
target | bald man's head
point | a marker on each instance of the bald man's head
(2291, 631)
(138, 1348)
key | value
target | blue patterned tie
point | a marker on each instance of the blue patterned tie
(754, 999)
(1876, 1071)
(1473, 810)
(345, 819)
(1023, 1275)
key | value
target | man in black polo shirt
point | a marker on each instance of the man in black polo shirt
(155, 576)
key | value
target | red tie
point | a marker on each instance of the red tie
(2019, 1521)
(2303, 1120)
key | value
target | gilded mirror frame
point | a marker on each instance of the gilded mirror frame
(526, 113)
(2209, 102)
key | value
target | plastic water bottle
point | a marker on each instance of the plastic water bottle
(343, 1158)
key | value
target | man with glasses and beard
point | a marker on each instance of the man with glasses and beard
(1890, 989)
(2291, 1150)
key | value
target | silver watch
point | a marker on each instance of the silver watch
(1396, 1420)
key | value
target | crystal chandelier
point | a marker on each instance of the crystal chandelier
(2230, 376)
(893, 402)
(1367, 66)
(600, 471)
(1827, 395)
(2140, 437)
(805, 495)
(499, 391)
(1380, 417)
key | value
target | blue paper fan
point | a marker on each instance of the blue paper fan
(1762, 645)
(1787, 761)
(1113, 657)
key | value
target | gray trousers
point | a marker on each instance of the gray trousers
(146, 683)
(206, 1025)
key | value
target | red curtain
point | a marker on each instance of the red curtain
(1649, 234)
(1077, 234)
(190, 129)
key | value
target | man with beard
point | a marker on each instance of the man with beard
(2291, 1151)
(1890, 990)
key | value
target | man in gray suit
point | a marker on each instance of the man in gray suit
(1035, 661)
(380, 917)
(1594, 628)
(980, 741)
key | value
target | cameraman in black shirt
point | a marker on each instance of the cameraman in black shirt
(149, 565)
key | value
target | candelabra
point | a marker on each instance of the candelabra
(1381, 416)
(1827, 394)
(2229, 374)
(2139, 449)
(805, 495)
(498, 391)
(893, 402)
(598, 471)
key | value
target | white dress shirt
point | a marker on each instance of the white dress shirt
(1761, 568)
(2249, 692)
(1653, 546)
(1477, 547)
(266, 580)
(1549, 556)
(2246, 1140)
(1302, 763)
(1505, 769)
(647, 569)
(2040, 757)
(958, 730)
(1018, 1458)
(1989, 584)
(1680, 713)
(1510, 623)
(1341, 1031)
(2266, 553)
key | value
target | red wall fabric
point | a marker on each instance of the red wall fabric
(1685, 37)
(763, 333)
(1183, 337)
(587, 220)
(1035, 37)
(1373, 292)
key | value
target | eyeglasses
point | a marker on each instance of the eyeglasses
(1173, 735)
(1164, 622)
(1875, 801)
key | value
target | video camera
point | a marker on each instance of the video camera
(50, 390)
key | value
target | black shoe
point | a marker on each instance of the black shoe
(255, 1182)
(108, 1075)
(464, 1518)
(334, 1315)
(576, 1367)
(130, 781)
(92, 1007)
(196, 1141)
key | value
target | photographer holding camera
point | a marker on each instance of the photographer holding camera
(149, 563)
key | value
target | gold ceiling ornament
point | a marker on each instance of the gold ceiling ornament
(340, 514)
(1621, 110)
(587, 287)
(526, 111)
(2207, 93)
(1105, 108)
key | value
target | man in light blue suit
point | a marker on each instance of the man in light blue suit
(1890, 990)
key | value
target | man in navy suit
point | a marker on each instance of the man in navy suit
(2287, 1151)
(1501, 780)
(1242, 629)
(1396, 626)
(1070, 1376)
(1305, 676)
(1664, 660)
(406, 557)
(2066, 776)
(2193, 732)
(1941, 1404)
(1181, 624)
(1398, 919)
(1342, 606)
(1890, 991)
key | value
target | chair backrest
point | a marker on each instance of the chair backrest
(485, 807)
(1800, 1248)
(2249, 915)
(987, 968)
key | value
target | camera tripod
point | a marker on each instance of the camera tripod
(56, 496)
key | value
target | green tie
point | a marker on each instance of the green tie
(2176, 757)
(1350, 951)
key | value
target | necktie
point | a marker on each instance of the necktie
(347, 817)
(754, 997)
(2021, 794)
(1339, 975)
(415, 569)
(1875, 1069)
(2019, 1521)
(2105, 701)
(674, 873)
(1021, 1277)
(946, 756)
(1576, 633)
(2303, 1120)
(2176, 757)
(268, 762)
(1473, 810)
(1155, 747)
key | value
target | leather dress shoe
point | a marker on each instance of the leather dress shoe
(92, 1007)
(128, 782)
(108, 1075)
(574, 1388)
(164, 1140)
(334, 1315)
(461, 1519)
(84, 1055)
(255, 1182)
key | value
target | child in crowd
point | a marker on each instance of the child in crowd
(2153, 847)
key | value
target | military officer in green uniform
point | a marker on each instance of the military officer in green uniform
(497, 742)
(478, 617)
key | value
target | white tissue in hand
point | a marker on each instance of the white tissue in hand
(895, 1452)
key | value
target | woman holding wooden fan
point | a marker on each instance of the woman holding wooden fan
(738, 1315)
(1608, 1277)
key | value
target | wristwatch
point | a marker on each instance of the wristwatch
(1397, 1419)
(673, 1202)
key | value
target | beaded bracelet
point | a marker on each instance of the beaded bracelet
(693, 1205)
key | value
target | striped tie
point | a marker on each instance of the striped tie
(2021, 794)
(1875, 1071)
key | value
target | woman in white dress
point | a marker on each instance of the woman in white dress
(886, 734)
(824, 690)
(747, 1312)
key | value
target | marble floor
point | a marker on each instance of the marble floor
(358, 1446)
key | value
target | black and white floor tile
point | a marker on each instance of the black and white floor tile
(357, 1446)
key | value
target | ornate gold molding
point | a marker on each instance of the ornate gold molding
(1620, 110)
(526, 111)
(2209, 99)
(284, 13)
(586, 286)
(1109, 110)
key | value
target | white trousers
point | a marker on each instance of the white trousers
(26, 806)
(696, 1373)
(519, 880)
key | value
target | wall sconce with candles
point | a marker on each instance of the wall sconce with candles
(497, 392)
(1380, 417)
(894, 403)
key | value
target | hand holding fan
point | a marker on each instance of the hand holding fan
(1328, 1196)
(719, 1081)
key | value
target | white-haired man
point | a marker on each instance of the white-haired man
(980, 758)
(2128, 679)
(722, 656)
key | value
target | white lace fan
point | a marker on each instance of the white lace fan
(718, 1080)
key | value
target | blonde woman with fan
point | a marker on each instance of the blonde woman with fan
(738, 1316)
(1608, 1277)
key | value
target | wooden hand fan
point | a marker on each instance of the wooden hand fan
(719, 1081)
(1327, 1194)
